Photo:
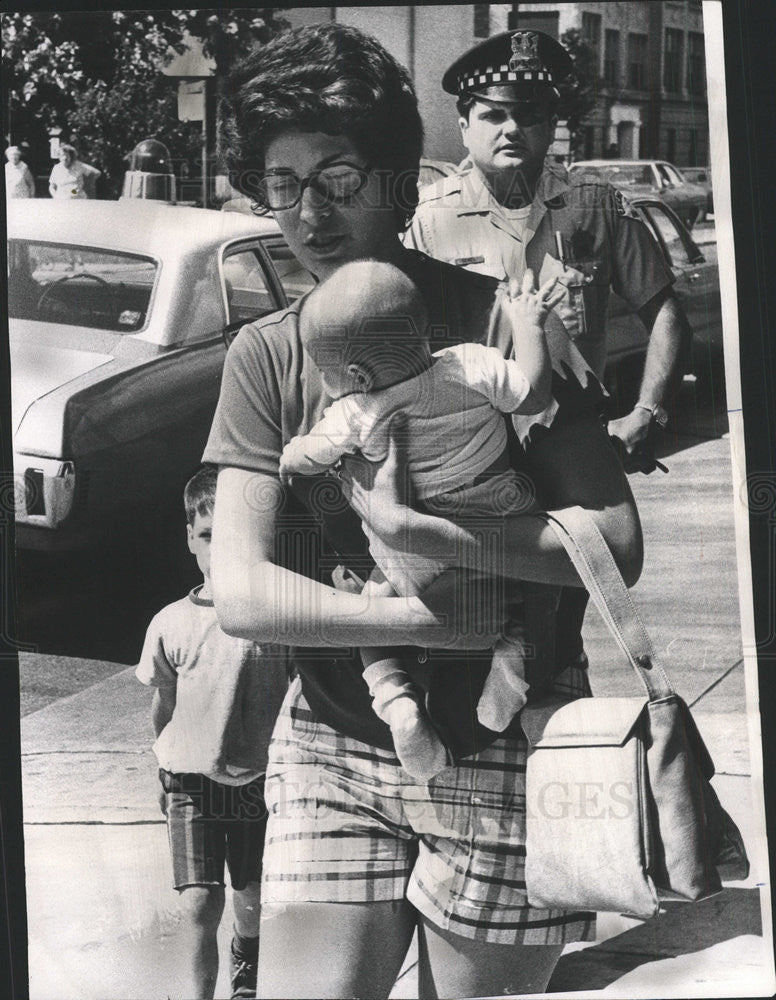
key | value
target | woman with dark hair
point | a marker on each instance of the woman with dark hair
(322, 129)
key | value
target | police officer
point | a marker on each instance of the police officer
(507, 209)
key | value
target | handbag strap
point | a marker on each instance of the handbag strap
(597, 569)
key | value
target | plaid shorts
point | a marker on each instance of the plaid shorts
(348, 824)
(210, 825)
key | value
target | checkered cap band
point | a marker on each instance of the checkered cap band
(501, 74)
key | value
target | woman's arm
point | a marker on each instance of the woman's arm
(574, 463)
(259, 600)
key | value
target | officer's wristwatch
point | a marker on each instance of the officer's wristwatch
(657, 412)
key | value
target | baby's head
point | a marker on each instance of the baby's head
(199, 498)
(365, 328)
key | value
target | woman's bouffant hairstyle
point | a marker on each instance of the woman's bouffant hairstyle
(327, 78)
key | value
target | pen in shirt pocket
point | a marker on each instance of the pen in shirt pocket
(559, 247)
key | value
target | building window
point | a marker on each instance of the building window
(637, 62)
(589, 142)
(612, 58)
(672, 60)
(697, 152)
(696, 65)
(671, 144)
(591, 36)
(642, 151)
(481, 20)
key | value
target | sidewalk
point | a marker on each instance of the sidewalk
(102, 919)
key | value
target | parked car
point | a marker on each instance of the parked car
(119, 315)
(702, 177)
(696, 274)
(650, 178)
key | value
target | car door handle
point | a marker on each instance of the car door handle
(695, 276)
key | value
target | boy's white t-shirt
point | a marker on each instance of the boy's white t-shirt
(228, 693)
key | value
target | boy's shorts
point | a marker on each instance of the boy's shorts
(210, 825)
(348, 824)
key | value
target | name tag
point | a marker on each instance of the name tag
(463, 261)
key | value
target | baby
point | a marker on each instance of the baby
(365, 329)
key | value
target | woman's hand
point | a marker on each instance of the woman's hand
(381, 492)
(345, 580)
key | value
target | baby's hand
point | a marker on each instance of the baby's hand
(294, 460)
(527, 306)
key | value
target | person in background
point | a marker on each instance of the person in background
(19, 182)
(92, 175)
(214, 705)
(70, 178)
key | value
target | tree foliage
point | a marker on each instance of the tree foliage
(97, 76)
(579, 92)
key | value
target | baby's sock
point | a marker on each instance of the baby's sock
(420, 750)
(505, 690)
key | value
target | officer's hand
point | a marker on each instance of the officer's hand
(632, 429)
(634, 443)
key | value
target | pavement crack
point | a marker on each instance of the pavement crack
(716, 682)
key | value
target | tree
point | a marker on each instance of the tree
(578, 94)
(97, 76)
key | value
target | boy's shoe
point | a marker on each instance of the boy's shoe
(243, 976)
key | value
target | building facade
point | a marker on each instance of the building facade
(651, 87)
(651, 69)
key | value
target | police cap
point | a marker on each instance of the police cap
(512, 66)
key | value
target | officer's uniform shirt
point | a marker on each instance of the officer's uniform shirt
(605, 246)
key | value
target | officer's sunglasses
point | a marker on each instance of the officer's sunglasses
(336, 183)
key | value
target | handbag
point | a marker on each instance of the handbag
(620, 812)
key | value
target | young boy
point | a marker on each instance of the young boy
(213, 710)
(365, 328)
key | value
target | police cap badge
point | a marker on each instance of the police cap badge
(512, 66)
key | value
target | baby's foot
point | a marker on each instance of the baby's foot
(420, 750)
(505, 690)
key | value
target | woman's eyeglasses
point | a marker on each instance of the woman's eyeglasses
(336, 183)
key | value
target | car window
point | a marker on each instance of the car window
(79, 286)
(622, 176)
(662, 225)
(674, 175)
(295, 279)
(664, 175)
(248, 296)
